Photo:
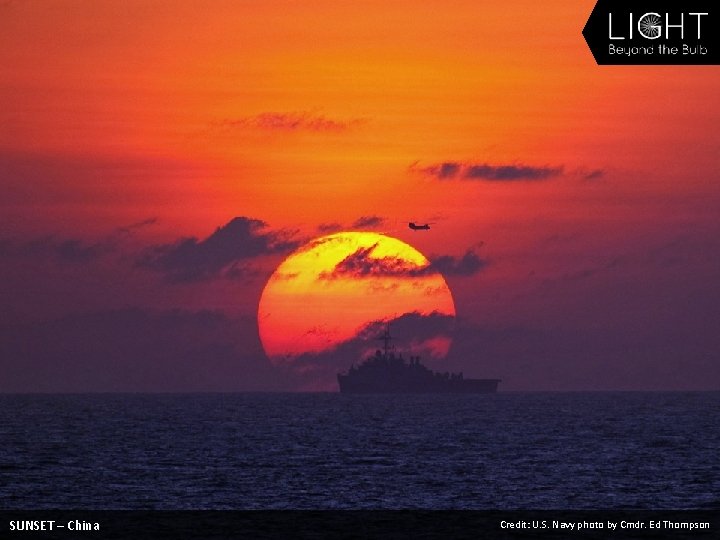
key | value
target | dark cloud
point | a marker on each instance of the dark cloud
(412, 327)
(67, 250)
(361, 264)
(138, 350)
(492, 173)
(579, 356)
(594, 175)
(467, 265)
(448, 170)
(363, 222)
(138, 225)
(240, 271)
(293, 121)
(329, 227)
(510, 172)
(190, 259)
(75, 250)
(368, 222)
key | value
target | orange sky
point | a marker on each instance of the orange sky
(177, 82)
(308, 114)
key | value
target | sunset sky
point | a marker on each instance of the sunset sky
(160, 159)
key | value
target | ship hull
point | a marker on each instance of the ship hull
(391, 385)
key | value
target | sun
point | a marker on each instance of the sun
(333, 289)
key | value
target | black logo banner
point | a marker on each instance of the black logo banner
(654, 32)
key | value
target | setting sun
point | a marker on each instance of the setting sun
(330, 289)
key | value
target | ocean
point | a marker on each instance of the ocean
(604, 450)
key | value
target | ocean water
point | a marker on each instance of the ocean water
(331, 451)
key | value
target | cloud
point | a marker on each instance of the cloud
(467, 265)
(138, 225)
(293, 121)
(594, 175)
(510, 172)
(410, 327)
(75, 250)
(363, 222)
(451, 170)
(362, 264)
(68, 250)
(574, 355)
(368, 222)
(71, 249)
(190, 259)
(137, 350)
(238, 271)
(329, 227)
(447, 170)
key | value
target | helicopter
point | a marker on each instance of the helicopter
(415, 227)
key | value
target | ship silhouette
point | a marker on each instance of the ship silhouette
(388, 373)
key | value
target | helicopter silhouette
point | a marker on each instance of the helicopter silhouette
(416, 227)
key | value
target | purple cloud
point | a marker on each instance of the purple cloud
(451, 170)
(190, 259)
(361, 264)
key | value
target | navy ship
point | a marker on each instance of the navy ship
(388, 373)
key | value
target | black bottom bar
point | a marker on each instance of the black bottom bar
(385, 524)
